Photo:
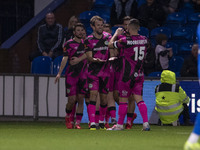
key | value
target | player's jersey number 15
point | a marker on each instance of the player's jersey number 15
(139, 52)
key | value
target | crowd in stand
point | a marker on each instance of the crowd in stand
(152, 14)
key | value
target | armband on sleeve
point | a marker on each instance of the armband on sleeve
(115, 44)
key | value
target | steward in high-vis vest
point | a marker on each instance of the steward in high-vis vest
(170, 98)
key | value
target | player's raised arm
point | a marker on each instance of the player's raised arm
(118, 32)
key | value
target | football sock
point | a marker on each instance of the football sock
(123, 107)
(92, 110)
(102, 112)
(143, 111)
(129, 118)
(78, 118)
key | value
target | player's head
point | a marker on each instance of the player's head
(133, 26)
(78, 30)
(50, 18)
(72, 21)
(195, 50)
(161, 39)
(96, 23)
(126, 21)
(107, 28)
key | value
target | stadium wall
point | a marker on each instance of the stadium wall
(37, 97)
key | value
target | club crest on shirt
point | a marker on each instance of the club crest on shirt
(90, 85)
(106, 42)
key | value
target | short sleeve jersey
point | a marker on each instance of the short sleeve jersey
(75, 49)
(99, 48)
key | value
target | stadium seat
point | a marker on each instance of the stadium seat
(182, 35)
(175, 20)
(56, 65)
(144, 31)
(185, 49)
(155, 74)
(85, 17)
(193, 21)
(103, 3)
(174, 47)
(175, 63)
(187, 8)
(165, 30)
(89, 30)
(102, 9)
(41, 65)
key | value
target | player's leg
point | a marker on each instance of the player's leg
(97, 111)
(130, 114)
(143, 111)
(79, 111)
(192, 142)
(71, 94)
(93, 83)
(111, 111)
(103, 91)
(68, 109)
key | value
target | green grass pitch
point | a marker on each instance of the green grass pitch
(54, 136)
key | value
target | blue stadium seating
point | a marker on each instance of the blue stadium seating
(86, 16)
(193, 21)
(185, 49)
(56, 65)
(182, 35)
(187, 8)
(154, 74)
(144, 31)
(165, 30)
(103, 3)
(174, 47)
(41, 65)
(176, 20)
(175, 63)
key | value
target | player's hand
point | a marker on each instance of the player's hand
(74, 61)
(44, 54)
(57, 78)
(119, 31)
(50, 54)
(98, 60)
(112, 58)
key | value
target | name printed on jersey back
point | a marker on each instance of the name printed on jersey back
(136, 42)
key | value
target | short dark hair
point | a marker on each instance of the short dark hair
(135, 23)
(78, 25)
(160, 37)
(107, 25)
(94, 18)
(127, 18)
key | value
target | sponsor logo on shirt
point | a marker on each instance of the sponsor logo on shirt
(124, 93)
(100, 48)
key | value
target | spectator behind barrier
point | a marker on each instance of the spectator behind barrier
(50, 38)
(162, 53)
(122, 8)
(189, 68)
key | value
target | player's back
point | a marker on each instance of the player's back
(134, 48)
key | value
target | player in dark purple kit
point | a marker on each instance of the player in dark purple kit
(132, 77)
(96, 47)
(76, 75)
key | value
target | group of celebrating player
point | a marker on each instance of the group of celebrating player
(104, 69)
